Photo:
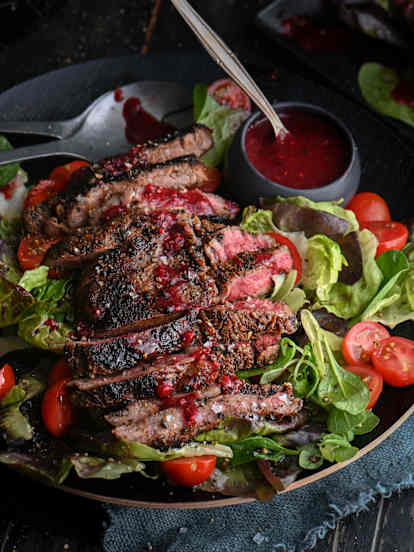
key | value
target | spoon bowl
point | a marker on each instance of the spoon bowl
(246, 184)
(99, 131)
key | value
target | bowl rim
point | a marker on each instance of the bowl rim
(353, 146)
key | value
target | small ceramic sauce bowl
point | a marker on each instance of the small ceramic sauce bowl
(246, 184)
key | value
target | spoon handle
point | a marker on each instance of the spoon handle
(228, 61)
(55, 129)
(49, 149)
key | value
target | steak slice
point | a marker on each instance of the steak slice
(144, 233)
(195, 140)
(250, 274)
(230, 241)
(176, 425)
(88, 197)
(112, 355)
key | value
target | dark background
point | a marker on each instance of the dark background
(37, 36)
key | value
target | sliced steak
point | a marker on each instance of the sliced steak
(144, 233)
(88, 198)
(230, 241)
(177, 425)
(95, 357)
(195, 141)
(251, 274)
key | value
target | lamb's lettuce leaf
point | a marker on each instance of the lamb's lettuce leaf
(376, 83)
(222, 120)
(348, 301)
(348, 425)
(323, 264)
(255, 447)
(337, 387)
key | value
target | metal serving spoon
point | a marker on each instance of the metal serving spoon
(99, 131)
(227, 60)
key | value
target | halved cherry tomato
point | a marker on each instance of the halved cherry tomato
(60, 370)
(369, 207)
(62, 174)
(57, 412)
(213, 179)
(361, 340)
(6, 380)
(394, 360)
(372, 380)
(226, 92)
(40, 192)
(32, 250)
(190, 471)
(390, 235)
(297, 261)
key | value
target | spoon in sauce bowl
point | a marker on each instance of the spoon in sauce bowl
(228, 61)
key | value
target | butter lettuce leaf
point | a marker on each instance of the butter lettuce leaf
(323, 263)
(14, 301)
(349, 301)
(40, 329)
(92, 467)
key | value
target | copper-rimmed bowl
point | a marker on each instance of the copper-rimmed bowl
(245, 183)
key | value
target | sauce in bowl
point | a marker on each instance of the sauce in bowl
(313, 154)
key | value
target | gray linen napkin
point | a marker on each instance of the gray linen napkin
(292, 522)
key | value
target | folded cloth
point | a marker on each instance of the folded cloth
(291, 522)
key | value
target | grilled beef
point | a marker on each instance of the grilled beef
(250, 274)
(195, 141)
(176, 425)
(251, 329)
(88, 199)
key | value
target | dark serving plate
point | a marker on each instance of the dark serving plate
(385, 159)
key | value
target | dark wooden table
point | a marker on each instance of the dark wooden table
(43, 35)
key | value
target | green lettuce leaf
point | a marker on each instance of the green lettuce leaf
(9, 267)
(48, 468)
(333, 207)
(245, 480)
(129, 449)
(88, 467)
(337, 387)
(11, 231)
(7, 172)
(376, 83)
(35, 278)
(14, 301)
(396, 289)
(323, 263)
(348, 301)
(33, 329)
(398, 306)
(222, 120)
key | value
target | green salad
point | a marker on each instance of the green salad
(351, 281)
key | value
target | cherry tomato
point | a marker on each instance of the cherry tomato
(6, 380)
(361, 340)
(297, 261)
(61, 175)
(57, 412)
(226, 92)
(189, 471)
(372, 380)
(368, 207)
(213, 180)
(60, 370)
(390, 235)
(40, 192)
(394, 360)
(32, 250)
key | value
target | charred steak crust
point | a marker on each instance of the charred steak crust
(169, 427)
